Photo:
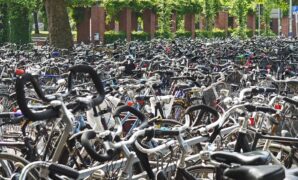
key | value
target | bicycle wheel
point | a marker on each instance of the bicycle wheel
(283, 154)
(290, 122)
(201, 172)
(11, 165)
(202, 115)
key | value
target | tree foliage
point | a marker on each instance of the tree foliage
(17, 14)
(163, 8)
(187, 6)
(20, 31)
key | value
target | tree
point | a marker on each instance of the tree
(44, 17)
(239, 8)
(20, 31)
(58, 24)
(18, 12)
(18, 15)
(37, 7)
(210, 9)
(164, 21)
(268, 5)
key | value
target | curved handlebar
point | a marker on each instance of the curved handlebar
(132, 110)
(263, 90)
(22, 102)
(252, 108)
(291, 101)
(204, 108)
(96, 80)
(86, 142)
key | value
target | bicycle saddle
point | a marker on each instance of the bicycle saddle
(292, 174)
(272, 172)
(183, 86)
(249, 158)
(142, 97)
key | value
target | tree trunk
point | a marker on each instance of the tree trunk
(44, 17)
(58, 24)
(36, 27)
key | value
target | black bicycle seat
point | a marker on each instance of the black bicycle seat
(249, 158)
(183, 86)
(142, 97)
(265, 172)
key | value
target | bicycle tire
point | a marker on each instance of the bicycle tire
(199, 170)
(288, 163)
(24, 162)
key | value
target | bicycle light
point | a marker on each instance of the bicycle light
(252, 121)
(277, 106)
(19, 72)
(130, 103)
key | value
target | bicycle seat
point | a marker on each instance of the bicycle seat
(142, 98)
(265, 172)
(292, 174)
(183, 86)
(234, 85)
(249, 158)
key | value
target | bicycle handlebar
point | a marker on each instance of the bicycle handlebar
(263, 90)
(148, 131)
(85, 141)
(110, 151)
(22, 102)
(255, 90)
(291, 101)
(54, 112)
(204, 108)
(96, 80)
(252, 108)
(65, 170)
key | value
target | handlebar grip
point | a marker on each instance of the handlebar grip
(291, 101)
(263, 90)
(29, 78)
(204, 108)
(64, 170)
(181, 77)
(22, 102)
(94, 76)
(157, 132)
(271, 90)
(252, 108)
(132, 110)
(266, 109)
(85, 141)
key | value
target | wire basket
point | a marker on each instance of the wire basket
(209, 96)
